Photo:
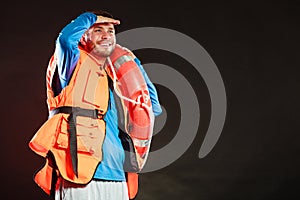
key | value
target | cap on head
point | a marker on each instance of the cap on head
(103, 19)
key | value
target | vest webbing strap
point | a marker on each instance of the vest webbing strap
(73, 113)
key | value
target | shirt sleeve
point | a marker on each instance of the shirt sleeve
(152, 90)
(66, 49)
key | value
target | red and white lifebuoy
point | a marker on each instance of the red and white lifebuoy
(131, 87)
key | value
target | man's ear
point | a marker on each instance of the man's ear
(83, 39)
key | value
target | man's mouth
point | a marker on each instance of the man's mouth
(105, 44)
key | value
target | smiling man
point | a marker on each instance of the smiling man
(84, 147)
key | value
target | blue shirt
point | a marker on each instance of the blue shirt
(67, 52)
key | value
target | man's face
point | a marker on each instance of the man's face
(100, 40)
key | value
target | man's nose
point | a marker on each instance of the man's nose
(105, 35)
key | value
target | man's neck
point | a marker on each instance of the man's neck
(98, 60)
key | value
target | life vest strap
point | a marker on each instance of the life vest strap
(92, 113)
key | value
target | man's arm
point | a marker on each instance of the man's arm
(67, 51)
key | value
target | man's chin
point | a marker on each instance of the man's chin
(104, 53)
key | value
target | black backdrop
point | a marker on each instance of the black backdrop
(255, 45)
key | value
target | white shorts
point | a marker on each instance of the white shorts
(95, 190)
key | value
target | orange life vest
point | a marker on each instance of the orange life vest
(53, 134)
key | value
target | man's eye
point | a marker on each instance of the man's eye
(98, 30)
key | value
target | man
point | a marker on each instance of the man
(81, 140)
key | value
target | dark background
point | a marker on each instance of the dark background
(255, 45)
